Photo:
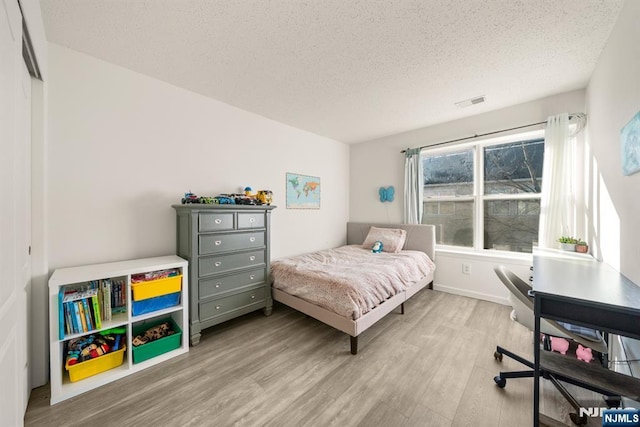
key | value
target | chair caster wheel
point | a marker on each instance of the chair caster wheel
(579, 421)
(500, 382)
(497, 356)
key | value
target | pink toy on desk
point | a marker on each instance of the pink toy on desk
(584, 353)
(559, 344)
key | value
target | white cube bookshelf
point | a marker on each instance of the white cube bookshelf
(61, 386)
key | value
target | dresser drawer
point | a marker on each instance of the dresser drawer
(218, 307)
(218, 285)
(216, 243)
(214, 221)
(219, 264)
(250, 220)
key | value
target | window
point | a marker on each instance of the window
(485, 195)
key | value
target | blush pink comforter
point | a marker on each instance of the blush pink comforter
(349, 280)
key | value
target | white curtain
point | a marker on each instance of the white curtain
(413, 187)
(557, 204)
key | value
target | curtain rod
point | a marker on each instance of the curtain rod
(486, 134)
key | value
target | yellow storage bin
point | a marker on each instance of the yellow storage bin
(83, 370)
(156, 288)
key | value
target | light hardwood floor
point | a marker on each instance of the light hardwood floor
(432, 366)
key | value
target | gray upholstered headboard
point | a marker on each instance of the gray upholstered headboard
(420, 237)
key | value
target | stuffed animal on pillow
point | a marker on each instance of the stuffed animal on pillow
(377, 247)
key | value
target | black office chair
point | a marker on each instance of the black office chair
(522, 304)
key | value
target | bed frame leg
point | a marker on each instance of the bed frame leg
(402, 308)
(354, 344)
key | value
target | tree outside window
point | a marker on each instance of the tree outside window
(491, 188)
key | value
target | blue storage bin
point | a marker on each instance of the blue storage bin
(154, 304)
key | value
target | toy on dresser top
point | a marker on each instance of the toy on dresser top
(262, 197)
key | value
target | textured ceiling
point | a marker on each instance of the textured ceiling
(351, 70)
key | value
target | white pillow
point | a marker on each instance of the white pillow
(392, 238)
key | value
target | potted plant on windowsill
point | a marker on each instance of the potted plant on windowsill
(582, 247)
(568, 243)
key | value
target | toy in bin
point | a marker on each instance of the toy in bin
(91, 346)
(154, 333)
(95, 353)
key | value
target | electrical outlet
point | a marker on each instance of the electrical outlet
(466, 269)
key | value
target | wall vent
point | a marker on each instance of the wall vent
(471, 101)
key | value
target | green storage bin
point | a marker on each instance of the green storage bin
(157, 347)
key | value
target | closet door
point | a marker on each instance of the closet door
(23, 225)
(12, 297)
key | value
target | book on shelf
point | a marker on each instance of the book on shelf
(87, 315)
(86, 306)
(83, 320)
(71, 318)
(98, 286)
(95, 305)
(75, 295)
(118, 296)
(105, 287)
(61, 314)
(66, 323)
(79, 309)
(77, 323)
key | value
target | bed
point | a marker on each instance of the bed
(419, 239)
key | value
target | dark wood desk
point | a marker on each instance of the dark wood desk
(587, 293)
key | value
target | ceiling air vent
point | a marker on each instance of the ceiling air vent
(470, 102)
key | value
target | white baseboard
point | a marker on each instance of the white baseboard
(471, 294)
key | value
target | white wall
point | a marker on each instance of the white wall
(123, 147)
(613, 98)
(380, 163)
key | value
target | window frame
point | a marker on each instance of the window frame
(479, 197)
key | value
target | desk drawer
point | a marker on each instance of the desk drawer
(219, 264)
(216, 243)
(218, 285)
(250, 220)
(214, 221)
(218, 307)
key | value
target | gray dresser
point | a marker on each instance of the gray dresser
(227, 247)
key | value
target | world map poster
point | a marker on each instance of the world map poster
(303, 192)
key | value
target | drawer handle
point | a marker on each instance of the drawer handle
(252, 277)
(253, 297)
(218, 307)
(218, 263)
(252, 239)
(218, 285)
(252, 258)
(252, 219)
(218, 221)
(218, 242)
